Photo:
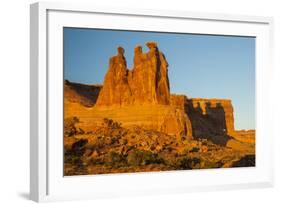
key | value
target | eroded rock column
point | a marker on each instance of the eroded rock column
(116, 90)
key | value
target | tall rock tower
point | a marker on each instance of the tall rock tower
(149, 80)
(116, 90)
(141, 96)
(147, 83)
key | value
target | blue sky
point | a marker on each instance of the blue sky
(207, 66)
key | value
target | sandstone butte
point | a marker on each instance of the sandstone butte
(141, 97)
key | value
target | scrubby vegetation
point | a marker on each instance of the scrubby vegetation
(70, 128)
(110, 148)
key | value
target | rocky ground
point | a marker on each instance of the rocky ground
(111, 148)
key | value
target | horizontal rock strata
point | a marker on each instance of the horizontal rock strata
(141, 96)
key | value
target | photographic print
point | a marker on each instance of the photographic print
(141, 101)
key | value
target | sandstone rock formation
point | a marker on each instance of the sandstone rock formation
(116, 89)
(86, 95)
(149, 78)
(211, 119)
(146, 83)
(133, 123)
(141, 97)
(218, 109)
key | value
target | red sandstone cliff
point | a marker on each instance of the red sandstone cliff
(141, 97)
(219, 110)
(209, 118)
(146, 83)
(86, 95)
(132, 123)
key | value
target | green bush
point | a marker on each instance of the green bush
(111, 124)
(69, 127)
(140, 157)
(195, 149)
(76, 151)
(96, 161)
(210, 164)
(116, 157)
(189, 163)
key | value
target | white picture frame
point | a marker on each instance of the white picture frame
(47, 182)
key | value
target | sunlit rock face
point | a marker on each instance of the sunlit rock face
(141, 96)
(116, 89)
(133, 123)
(147, 83)
(149, 80)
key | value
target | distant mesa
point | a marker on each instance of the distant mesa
(86, 95)
(142, 97)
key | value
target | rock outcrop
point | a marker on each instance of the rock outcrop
(133, 123)
(141, 97)
(146, 83)
(116, 89)
(211, 119)
(149, 80)
(86, 95)
(218, 111)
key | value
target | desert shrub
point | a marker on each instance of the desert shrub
(81, 131)
(72, 159)
(134, 158)
(111, 124)
(140, 157)
(114, 140)
(112, 159)
(125, 142)
(185, 164)
(69, 126)
(79, 145)
(96, 161)
(152, 147)
(189, 163)
(74, 154)
(211, 164)
(194, 149)
(116, 157)
(77, 148)
(246, 161)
